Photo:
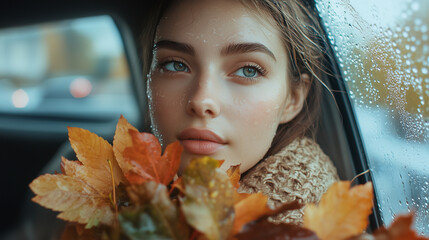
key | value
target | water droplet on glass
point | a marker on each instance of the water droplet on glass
(415, 6)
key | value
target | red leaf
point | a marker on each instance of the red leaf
(147, 163)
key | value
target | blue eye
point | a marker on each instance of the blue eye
(176, 66)
(248, 72)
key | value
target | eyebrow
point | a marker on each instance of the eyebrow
(177, 46)
(237, 48)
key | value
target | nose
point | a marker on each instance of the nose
(203, 101)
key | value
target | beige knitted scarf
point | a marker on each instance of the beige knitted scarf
(300, 171)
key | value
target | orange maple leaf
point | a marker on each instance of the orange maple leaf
(234, 175)
(342, 212)
(248, 209)
(253, 207)
(82, 192)
(148, 163)
(139, 155)
(121, 141)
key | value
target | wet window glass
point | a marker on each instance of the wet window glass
(383, 51)
(73, 69)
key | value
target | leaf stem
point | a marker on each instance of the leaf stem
(113, 187)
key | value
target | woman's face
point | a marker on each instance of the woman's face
(219, 83)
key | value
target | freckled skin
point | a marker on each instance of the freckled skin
(245, 113)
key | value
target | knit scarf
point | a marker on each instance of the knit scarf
(300, 171)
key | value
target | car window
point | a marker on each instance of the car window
(69, 72)
(383, 51)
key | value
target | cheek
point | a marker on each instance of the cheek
(255, 121)
(260, 110)
(165, 102)
(258, 124)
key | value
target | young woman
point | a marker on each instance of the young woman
(240, 81)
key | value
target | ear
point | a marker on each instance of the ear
(296, 99)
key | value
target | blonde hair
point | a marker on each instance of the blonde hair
(297, 22)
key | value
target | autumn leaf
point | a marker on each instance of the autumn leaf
(146, 160)
(234, 175)
(342, 212)
(209, 198)
(94, 153)
(254, 207)
(268, 230)
(121, 141)
(73, 231)
(155, 215)
(249, 209)
(83, 192)
(76, 200)
(139, 155)
(400, 229)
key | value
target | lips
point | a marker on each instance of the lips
(200, 141)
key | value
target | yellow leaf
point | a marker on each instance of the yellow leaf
(342, 212)
(121, 141)
(76, 200)
(82, 193)
(94, 153)
(208, 204)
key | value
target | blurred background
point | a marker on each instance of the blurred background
(72, 69)
(52, 75)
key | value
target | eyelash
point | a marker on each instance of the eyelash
(162, 64)
(260, 70)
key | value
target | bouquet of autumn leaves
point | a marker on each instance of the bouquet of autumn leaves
(131, 191)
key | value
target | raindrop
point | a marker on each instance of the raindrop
(415, 6)
(417, 21)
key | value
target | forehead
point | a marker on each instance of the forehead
(215, 21)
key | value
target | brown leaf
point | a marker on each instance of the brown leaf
(342, 212)
(155, 215)
(209, 198)
(267, 230)
(147, 163)
(74, 231)
(76, 200)
(400, 229)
